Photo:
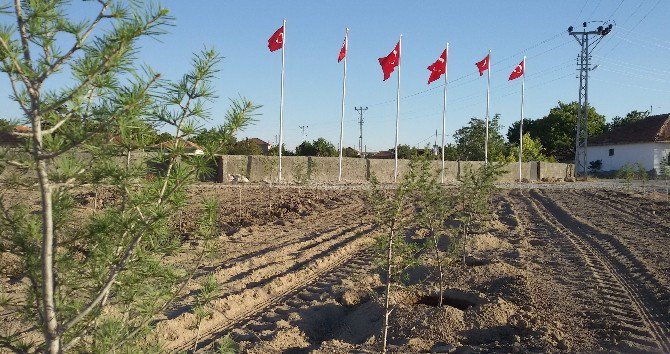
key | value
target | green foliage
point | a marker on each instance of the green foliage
(209, 290)
(350, 152)
(470, 140)
(532, 150)
(274, 151)
(303, 171)
(406, 151)
(109, 279)
(595, 166)
(631, 117)
(474, 199)
(556, 130)
(627, 173)
(222, 139)
(631, 172)
(318, 147)
(227, 345)
(434, 210)
(245, 147)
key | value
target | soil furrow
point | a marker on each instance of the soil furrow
(263, 327)
(641, 248)
(249, 301)
(590, 242)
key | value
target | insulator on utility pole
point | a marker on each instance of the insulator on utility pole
(584, 66)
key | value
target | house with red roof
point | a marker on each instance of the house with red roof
(646, 141)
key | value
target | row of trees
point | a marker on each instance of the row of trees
(438, 220)
(550, 138)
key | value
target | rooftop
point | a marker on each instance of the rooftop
(649, 130)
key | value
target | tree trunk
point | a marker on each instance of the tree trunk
(465, 240)
(389, 269)
(50, 326)
(438, 259)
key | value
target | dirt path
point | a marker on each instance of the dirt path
(621, 289)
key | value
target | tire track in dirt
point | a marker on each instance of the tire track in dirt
(560, 281)
(643, 321)
(626, 207)
(646, 239)
(285, 270)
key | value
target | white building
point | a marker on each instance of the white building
(646, 142)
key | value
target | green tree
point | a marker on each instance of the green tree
(632, 116)
(240, 114)
(274, 151)
(474, 198)
(305, 148)
(245, 147)
(318, 147)
(532, 150)
(556, 130)
(470, 140)
(350, 152)
(435, 208)
(513, 130)
(324, 148)
(97, 280)
(450, 152)
(391, 246)
(405, 151)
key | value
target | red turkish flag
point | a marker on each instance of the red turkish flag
(438, 68)
(389, 62)
(518, 71)
(277, 40)
(483, 65)
(343, 51)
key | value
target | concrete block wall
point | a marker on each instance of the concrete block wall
(356, 170)
(326, 169)
(555, 170)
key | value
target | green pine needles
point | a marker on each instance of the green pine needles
(421, 203)
(95, 280)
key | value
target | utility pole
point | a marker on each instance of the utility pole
(584, 66)
(304, 128)
(360, 125)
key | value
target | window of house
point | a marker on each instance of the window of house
(611, 152)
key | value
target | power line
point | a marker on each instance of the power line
(581, 141)
(595, 8)
(637, 24)
(581, 10)
(615, 10)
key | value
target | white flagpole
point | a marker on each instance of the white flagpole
(344, 92)
(281, 100)
(523, 84)
(444, 106)
(488, 99)
(397, 114)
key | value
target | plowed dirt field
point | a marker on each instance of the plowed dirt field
(559, 269)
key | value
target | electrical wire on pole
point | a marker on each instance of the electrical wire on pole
(584, 66)
(360, 124)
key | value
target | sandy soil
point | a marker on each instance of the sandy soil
(560, 269)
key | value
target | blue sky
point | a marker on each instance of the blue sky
(632, 74)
